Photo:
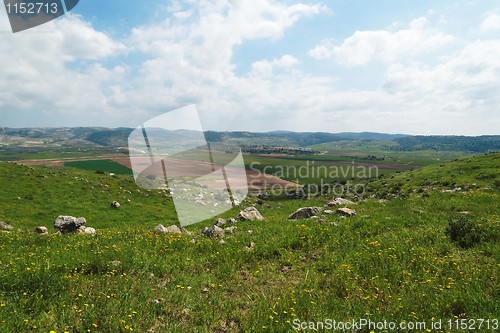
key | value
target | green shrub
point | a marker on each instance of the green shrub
(464, 232)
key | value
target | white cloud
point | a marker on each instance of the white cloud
(192, 60)
(42, 69)
(364, 47)
(460, 94)
(491, 23)
(266, 67)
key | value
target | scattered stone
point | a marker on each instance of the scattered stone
(174, 229)
(250, 232)
(230, 230)
(89, 231)
(232, 220)
(160, 228)
(158, 300)
(41, 230)
(346, 212)
(328, 212)
(339, 202)
(213, 232)
(250, 246)
(250, 214)
(222, 241)
(204, 290)
(184, 231)
(304, 213)
(5, 226)
(69, 223)
(115, 204)
(115, 262)
(220, 222)
(286, 268)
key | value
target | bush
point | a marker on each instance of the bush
(464, 232)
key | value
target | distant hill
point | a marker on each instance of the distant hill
(117, 137)
(477, 144)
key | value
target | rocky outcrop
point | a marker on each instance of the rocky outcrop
(69, 223)
(304, 213)
(5, 227)
(249, 247)
(346, 212)
(173, 229)
(220, 222)
(250, 214)
(230, 230)
(339, 202)
(89, 230)
(213, 232)
(115, 204)
(41, 230)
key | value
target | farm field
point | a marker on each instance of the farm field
(270, 170)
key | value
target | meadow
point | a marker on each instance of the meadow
(393, 261)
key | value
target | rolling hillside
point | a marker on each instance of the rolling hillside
(393, 261)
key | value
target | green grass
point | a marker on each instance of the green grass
(465, 173)
(391, 262)
(40, 194)
(100, 165)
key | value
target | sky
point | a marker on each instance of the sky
(391, 66)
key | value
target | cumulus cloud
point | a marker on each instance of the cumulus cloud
(364, 47)
(266, 67)
(37, 72)
(193, 57)
(491, 23)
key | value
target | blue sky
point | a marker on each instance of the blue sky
(416, 67)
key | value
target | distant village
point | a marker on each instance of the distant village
(270, 149)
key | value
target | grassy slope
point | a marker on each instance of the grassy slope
(390, 262)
